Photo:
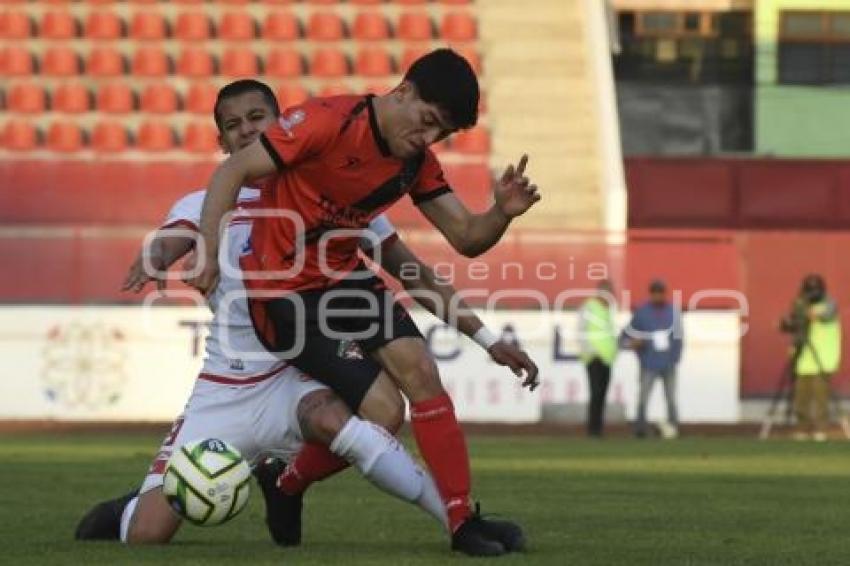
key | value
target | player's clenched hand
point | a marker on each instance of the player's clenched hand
(137, 276)
(507, 354)
(207, 279)
(513, 192)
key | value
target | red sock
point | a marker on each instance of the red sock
(313, 463)
(443, 447)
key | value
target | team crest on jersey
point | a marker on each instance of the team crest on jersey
(289, 122)
(349, 350)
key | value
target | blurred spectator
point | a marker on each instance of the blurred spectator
(655, 333)
(598, 348)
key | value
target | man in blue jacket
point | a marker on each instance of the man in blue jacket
(655, 334)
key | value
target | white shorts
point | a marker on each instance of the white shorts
(258, 419)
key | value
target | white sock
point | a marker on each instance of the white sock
(127, 516)
(386, 463)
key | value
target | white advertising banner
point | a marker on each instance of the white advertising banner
(135, 364)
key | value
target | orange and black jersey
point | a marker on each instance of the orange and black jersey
(335, 171)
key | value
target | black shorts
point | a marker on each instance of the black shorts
(329, 333)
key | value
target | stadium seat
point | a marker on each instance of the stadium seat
(235, 1)
(115, 98)
(192, 26)
(148, 25)
(71, 98)
(105, 61)
(409, 2)
(458, 26)
(328, 62)
(373, 62)
(195, 62)
(20, 135)
(103, 26)
(410, 55)
(325, 26)
(201, 98)
(236, 26)
(284, 62)
(109, 137)
(291, 94)
(60, 61)
(414, 26)
(370, 26)
(27, 98)
(159, 98)
(16, 62)
(279, 2)
(56, 24)
(366, 2)
(15, 25)
(201, 137)
(150, 61)
(155, 136)
(240, 62)
(281, 26)
(189, 1)
(454, 2)
(475, 141)
(64, 137)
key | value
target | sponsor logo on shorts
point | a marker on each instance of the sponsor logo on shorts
(349, 350)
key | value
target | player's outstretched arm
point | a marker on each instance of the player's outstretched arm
(164, 249)
(473, 234)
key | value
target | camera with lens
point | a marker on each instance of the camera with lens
(796, 322)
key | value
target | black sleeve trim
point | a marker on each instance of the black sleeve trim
(272, 152)
(419, 199)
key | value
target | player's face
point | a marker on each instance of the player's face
(243, 119)
(416, 124)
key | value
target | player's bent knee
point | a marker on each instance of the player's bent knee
(383, 404)
(321, 415)
(153, 521)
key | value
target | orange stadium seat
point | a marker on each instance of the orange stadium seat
(475, 141)
(150, 61)
(64, 136)
(455, 2)
(334, 89)
(370, 26)
(155, 136)
(192, 26)
(20, 135)
(410, 2)
(279, 2)
(281, 26)
(236, 26)
(109, 137)
(103, 26)
(323, 2)
(56, 24)
(60, 61)
(328, 62)
(195, 62)
(27, 98)
(325, 26)
(410, 55)
(105, 61)
(159, 98)
(201, 98)
(235, 1)
(373, 62)
(458, 26)
(115, 98)
(15, 25)
(201, 137)
(284, 62)
(189, 1)
(290, 94)
(366, 2)
(414, 26)
(101, 2)
(71, 98)
(16, 62)
(148, 26)
(240, 62)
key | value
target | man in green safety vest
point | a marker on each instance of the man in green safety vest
(598, 347)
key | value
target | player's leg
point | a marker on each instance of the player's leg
(148, 519)
(645, 382)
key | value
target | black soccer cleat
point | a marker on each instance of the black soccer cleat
(508, 533)
(103, 521)
(283, 512)
(474, 538)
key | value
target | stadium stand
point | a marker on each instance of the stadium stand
(109, 137)
(71, 98)
(27, 98)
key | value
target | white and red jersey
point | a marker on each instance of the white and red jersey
(234, 354)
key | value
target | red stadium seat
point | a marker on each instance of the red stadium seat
(115, 98)
(201, 137)
(370, 26)
(148, 25)
(56, 24)
(325, 26)
(16, 62)
(155, 136)
(291, 94)
(366, 2)
(15, 25)
(159, 98)
(373, 62)
(201, 98)
(150, 61)
(236, 26)
(60, 61)
(279, 2)
(410, 55)
(20, 135)
(284, 62)
(64, 137)
(189, 1)
(235, 1)
(328, 62)
(454, 2)
(409, 2)
(334, 89)
(240, 62)
(27, 98)
(414, 26)
(109, 137)
(105, 61)
(281, 26)
(103, 26)
(458, 26)
(71, 98)
(195, 62)
(475, 141)
(192, 26)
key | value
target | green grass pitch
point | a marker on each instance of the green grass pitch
(693, 501)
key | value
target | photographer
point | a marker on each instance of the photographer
(814, 324)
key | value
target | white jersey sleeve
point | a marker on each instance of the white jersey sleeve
(379, 232)
(186, 211)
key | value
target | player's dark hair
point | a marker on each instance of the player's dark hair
(444, 78)
(240, 87)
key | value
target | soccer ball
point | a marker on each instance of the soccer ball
(207, 482)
